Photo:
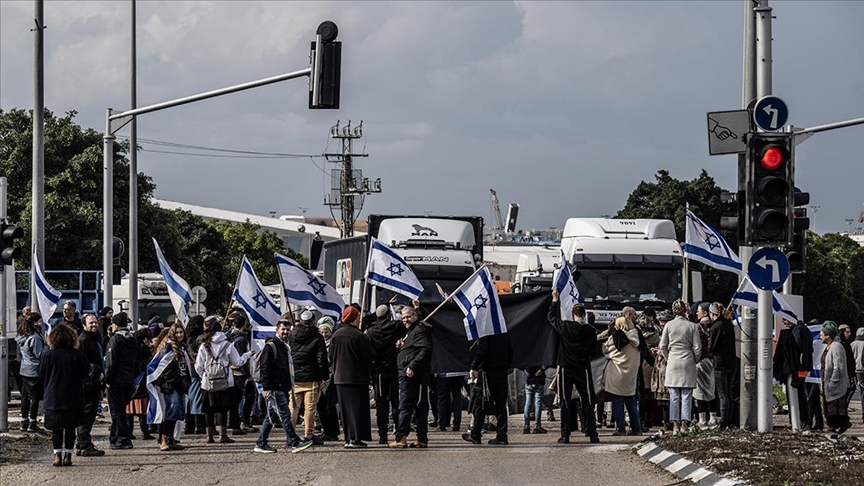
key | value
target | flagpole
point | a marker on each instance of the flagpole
(236, 283)
(452, 293)
(686, 283)
(363, 301)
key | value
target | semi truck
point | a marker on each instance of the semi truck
(624, 262)
(442, 251)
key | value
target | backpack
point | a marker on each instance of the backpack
(256, 369)
(215, 372)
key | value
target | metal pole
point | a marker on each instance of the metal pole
(792, 399)
(747, 335)
(107, 211)
(765, 324)
(38, 202)
(4, 354)
(764, 377)
(133, 189)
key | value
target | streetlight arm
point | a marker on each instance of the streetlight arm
(119, 119)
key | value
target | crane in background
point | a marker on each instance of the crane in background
(496, 209)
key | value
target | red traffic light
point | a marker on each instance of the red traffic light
(772, 157)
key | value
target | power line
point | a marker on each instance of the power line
(216, 149)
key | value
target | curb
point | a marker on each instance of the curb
(680, 467)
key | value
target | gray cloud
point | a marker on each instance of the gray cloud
(561, 106)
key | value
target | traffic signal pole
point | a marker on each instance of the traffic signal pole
(764, 375)
(4, 327)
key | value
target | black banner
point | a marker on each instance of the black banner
(533, 340)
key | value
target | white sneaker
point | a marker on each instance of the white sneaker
(677, 429)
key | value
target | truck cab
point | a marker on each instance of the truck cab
(535, 269)
(624, 262)
(152, 297)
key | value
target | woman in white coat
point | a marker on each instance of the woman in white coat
(682, 348)
(217, 398)
(622, 371)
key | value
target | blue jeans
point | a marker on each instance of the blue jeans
(618, 404)
(680, 404)
(533, 393)
(277, 405)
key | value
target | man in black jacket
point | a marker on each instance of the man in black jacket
(384, 332)
(122, 368)
(575, 342)
(276, 383)
(90, 343)
(415, 372)
(489, 368)
(721, 343)
(311, 368)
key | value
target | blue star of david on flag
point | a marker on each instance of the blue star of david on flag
(260, 299)
(316, 285)
(705, 244)
(386, 269)
(478, 299)
(395, 269)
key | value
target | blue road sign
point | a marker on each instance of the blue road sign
(768, 268)
(770, 113)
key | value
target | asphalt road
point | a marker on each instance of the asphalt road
(530, 459)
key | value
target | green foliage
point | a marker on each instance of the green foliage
(258, 246)
(833, 286)
(667, 198)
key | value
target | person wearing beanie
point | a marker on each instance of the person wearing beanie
(351, 354)
(325, 327)
(835, 380)
(311, 368)
(122, 366)
(858, 354)
(384, 332)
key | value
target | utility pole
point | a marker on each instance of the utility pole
(748, 351)
(349, 183)
(38, 203)
(133, 188)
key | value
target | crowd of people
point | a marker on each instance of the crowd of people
(314, 376)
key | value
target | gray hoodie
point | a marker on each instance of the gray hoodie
(30, 348)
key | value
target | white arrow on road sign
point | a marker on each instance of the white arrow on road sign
(772, 112)
(764, 262)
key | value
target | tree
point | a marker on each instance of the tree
(258, 246)
(833, 286)
(667, 198)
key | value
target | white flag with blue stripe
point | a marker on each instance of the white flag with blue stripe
(478, 299)
(156, 407)
(47, 297)
(568, 294)
(388, 270)
(263, 312)
(301, 287)
(178, 289)
(705, 244)
(748, 296)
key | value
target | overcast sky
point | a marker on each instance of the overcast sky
(561, 107)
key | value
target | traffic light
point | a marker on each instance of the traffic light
(797, 252)
(326, 57)
(8, 234)
(117, 251)
(735, 223)
(771, 180)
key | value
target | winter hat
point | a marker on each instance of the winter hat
(327, 322)
(104, 311)
(859, 336)
(120, 319)
(843, 326)
(306, 316)
(349, 314)
(830, 329)
(716, 310)
(382, 311)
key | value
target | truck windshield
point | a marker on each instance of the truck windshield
(629, 286)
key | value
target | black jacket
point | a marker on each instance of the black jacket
(416, 353)
(352, 356)
(575, 340)
(122, 363)
(238, 339)
(309, 352)
(90, 344)
(275, 373)
(383, 334)
(804, 340)
(721, 342)
(63, 372)
(494, 353)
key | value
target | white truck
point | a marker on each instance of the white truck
(442, 250)
(152, 297)
(535, 268)
(624, 262)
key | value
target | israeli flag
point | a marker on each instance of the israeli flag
(705, 244)
(388, 270)
(47, 297)
(478, 299)
(178, 289)
(300, 287)
(156, 407)
(263, 312)
(568, 294)
(748, 296)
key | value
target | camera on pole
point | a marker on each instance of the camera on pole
(326, 60)
(8, 234)
(770, 189)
